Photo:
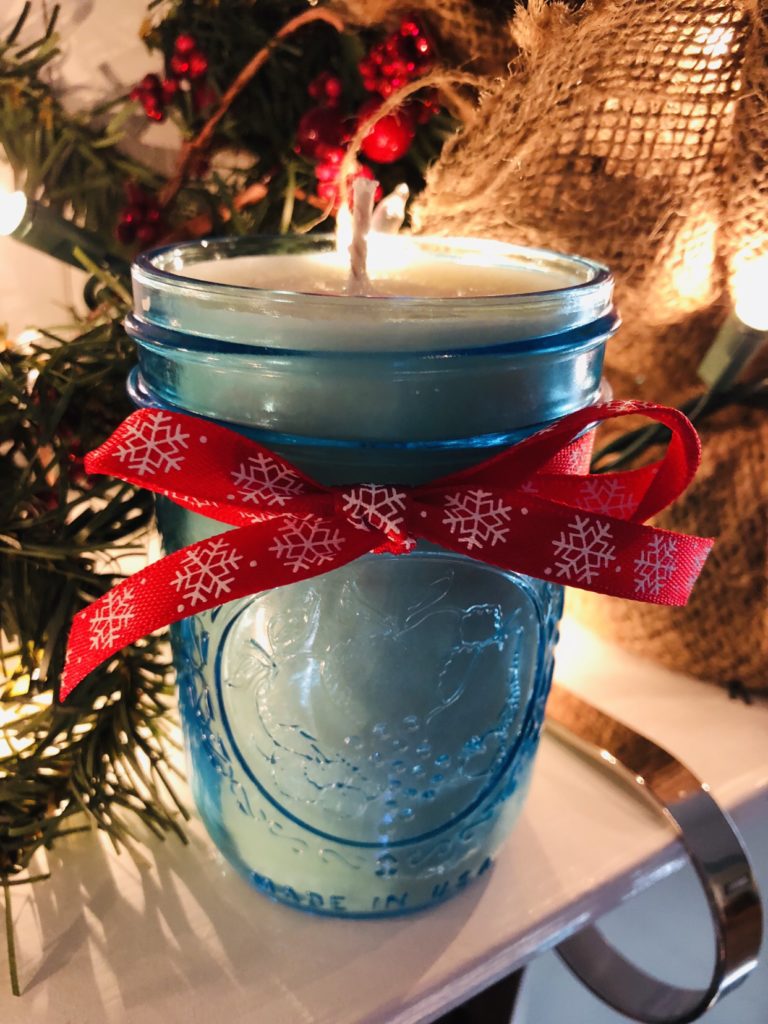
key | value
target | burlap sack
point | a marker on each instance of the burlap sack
(637, 133)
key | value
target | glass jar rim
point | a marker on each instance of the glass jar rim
(153, 267)
(216, 313)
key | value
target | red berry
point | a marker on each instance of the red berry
(149, 83)
(326, 172)
(410, 27)
(198, 64)
(326, 89)
(390, 137)
(146, 234)
(125, 232)
(328, 191)
(320, 127)
(425, 108)
(422, 114)
(179, 65)
(133, 214)
(333, 154)
(169, 87)
(141, 218)
(185, 44)
(150, 94)
(329, 161)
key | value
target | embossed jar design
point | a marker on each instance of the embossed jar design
(359, 743)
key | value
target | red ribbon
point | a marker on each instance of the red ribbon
(531, 509)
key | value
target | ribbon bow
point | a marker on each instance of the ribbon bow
(531, 509)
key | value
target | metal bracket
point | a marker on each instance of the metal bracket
(715, 850)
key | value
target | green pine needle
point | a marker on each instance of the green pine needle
(10, 938)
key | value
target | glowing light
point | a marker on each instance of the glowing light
(343, 229)
(28, 337)
(715, 42)
(392, 254)
(692, 271)
(12, 740)
(386, 251)
(750, 292)
(13, 206)
(19, 686)
(25, 342)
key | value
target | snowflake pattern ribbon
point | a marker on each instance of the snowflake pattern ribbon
(533, 509)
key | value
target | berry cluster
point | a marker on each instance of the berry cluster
(187, 68)
(141, 219)
(325, 130)
(153, 93)
(322, 135)
(188, 60)
(404, 55)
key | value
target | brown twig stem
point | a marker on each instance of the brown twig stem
(202, 140)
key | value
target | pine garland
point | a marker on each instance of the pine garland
(99, 759)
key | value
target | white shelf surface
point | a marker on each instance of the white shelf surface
(182, 938)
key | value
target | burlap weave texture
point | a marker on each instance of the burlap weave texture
(637, 133)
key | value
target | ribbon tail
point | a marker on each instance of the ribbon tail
(234, 564)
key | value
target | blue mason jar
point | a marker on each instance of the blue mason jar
(360, 743)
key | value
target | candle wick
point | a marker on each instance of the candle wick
(364, 191)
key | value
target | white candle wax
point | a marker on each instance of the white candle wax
(394, 270)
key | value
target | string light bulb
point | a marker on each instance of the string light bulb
(12, 210)
(38, 226)
(745, 330)
(750, 292)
